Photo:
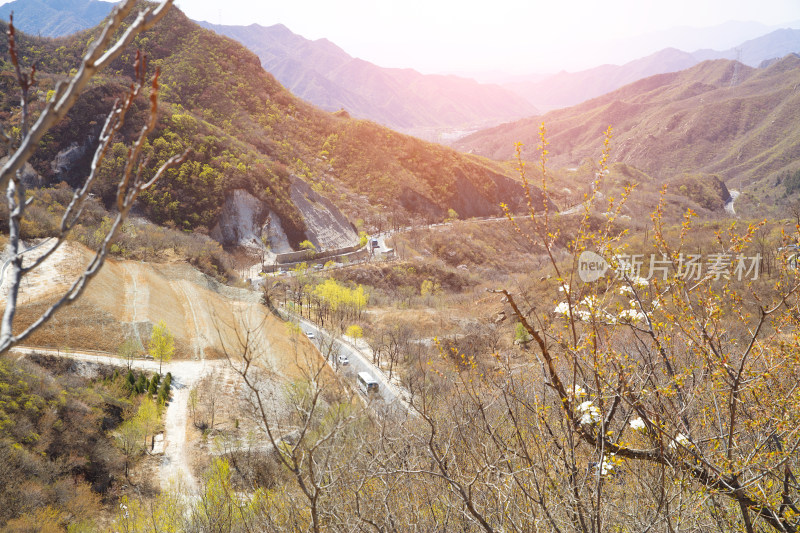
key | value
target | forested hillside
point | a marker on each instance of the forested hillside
(247, 132)
(718, 117)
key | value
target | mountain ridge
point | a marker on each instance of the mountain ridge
(55, 18)
(249, 133)
(401, 98)
(566, 89)
(718, 117)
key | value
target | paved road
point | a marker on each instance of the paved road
(392, 399)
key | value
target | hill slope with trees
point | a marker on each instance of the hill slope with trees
(719, 117)
(248, 132)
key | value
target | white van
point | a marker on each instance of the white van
(367, 384)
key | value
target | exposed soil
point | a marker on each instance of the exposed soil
(207, 319)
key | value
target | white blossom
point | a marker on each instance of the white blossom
(681, 439)
(607, 465)
(625, 290)
(632, 315)
(563, 288)
(590, 414)
(562, 309)
(637, 424)
(640, 282)
(579, 391)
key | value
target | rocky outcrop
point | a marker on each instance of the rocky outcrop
(70, 163)
(245, 221)
(30, 178)
(326, 226)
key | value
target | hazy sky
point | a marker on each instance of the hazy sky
(440, 36)
(475, 35)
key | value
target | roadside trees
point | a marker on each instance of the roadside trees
(128, 351)
(162, 344)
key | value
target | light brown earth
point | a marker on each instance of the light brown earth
(127, 298)
(207, 319)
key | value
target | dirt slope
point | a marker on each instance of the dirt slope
(127, 298)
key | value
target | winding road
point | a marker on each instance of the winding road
(394, 399)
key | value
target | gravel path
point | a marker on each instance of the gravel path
(175, 467)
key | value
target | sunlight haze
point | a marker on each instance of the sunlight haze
(510, 36)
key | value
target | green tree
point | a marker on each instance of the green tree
(129, 439)
(128, 350)
(521, 334)
(148, 417)
(355, 332)
(162, 344)
(309, 248)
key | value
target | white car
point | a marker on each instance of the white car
(343, 359)
(310, 334)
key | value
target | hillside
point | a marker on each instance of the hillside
(127, 298)
(56, 18)
(249, 134)
(571, 88)
(325, 75)
(719, 117)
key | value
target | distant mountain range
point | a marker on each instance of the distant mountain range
(55, 18)
(325, 75)
(719, 117)
(566, 89)
(424, 105)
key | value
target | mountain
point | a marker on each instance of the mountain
(55, 18)
(325, 75)
(566, 89)
(718, 117)
(265, 164)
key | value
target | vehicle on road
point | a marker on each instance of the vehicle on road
(310, 334)
(343, 359)
(367, 384)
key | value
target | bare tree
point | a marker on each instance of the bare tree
(308, 427)
(107, 47)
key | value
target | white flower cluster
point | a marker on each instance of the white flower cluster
(562, 309)
(626, 290)
(631, 315)
(680, 439)
(640, 282)
(607, 465)
(637, 424)
(584, 312)
(579, 391)
(589, 412)
(590, 302)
